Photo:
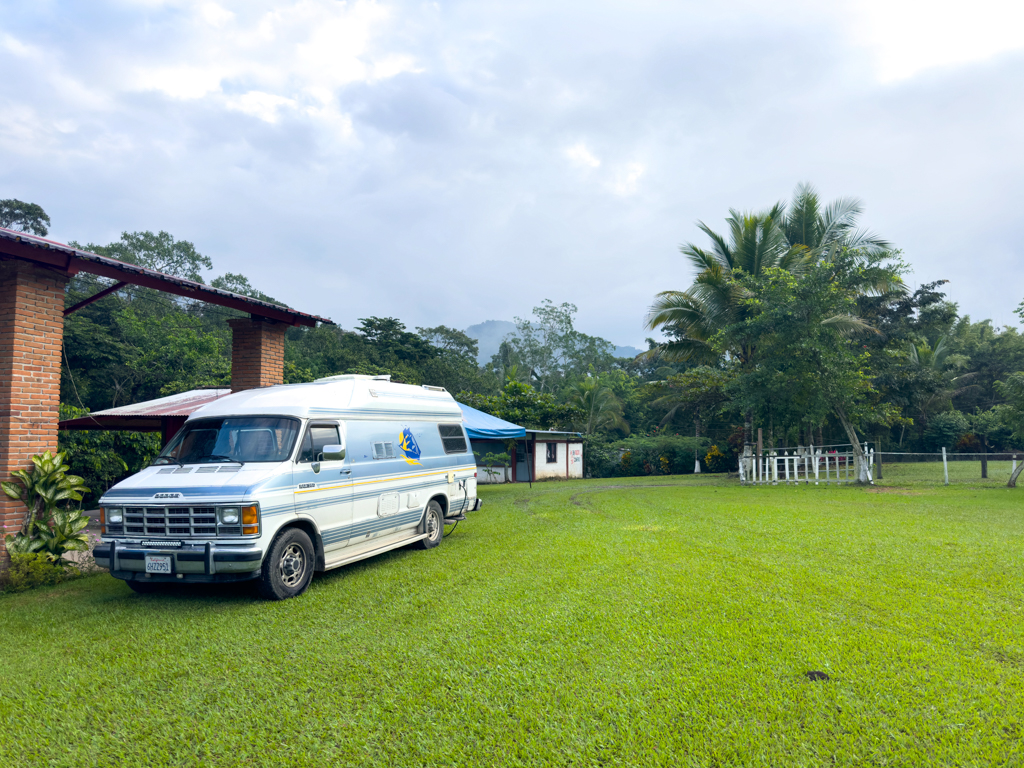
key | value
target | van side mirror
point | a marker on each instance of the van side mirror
(333, 453)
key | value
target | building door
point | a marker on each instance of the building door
(523, 467)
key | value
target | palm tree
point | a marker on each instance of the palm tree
(756, 242)
(601, 408)
(944, 372)
(807, 224)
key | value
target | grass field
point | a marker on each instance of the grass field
(631, 622)
(960, 472)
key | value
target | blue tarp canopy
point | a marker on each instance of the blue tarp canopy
(483, 426)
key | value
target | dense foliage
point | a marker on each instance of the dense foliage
(797, 323)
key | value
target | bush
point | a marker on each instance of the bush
(666, 455)
(945, 430)
(102, 458)
(716, 461)
(35, 569)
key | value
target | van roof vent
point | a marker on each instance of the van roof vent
(433, 389)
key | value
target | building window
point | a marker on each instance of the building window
(552, 453)
(452, 437)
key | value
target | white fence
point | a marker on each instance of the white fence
(803, 464)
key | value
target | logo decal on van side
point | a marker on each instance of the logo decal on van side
(409, 447)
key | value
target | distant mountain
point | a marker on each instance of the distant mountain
(490, 333)
(627, 351)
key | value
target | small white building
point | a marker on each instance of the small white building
(555, 455)
(538, 454)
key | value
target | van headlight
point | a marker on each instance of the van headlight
(229, 515)
(114, 516)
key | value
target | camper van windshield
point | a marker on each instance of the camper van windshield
(241, 438)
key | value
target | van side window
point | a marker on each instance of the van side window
(453, 438)
(384, 450)
(317, 436)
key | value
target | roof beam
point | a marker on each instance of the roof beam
(95, 297)
(72, 262)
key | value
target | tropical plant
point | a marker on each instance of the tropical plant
(812, 367)
(699, 391)
(43, 488)
(20, 544)
(809, 224)
(773, 239)
(66, 533)
(693, 317)
(599, 409)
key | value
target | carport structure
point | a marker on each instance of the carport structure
(34, 273)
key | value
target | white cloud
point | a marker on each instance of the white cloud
(215, 15)
(625, 181)
(910, 36)
(581, 156)
(290, 55)
(265, 106)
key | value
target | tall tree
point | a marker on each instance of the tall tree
(693, 317)
(550, 349)
(812, 365)
(24, 217)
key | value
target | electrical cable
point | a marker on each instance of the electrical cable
(465, 503)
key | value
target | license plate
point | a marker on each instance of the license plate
(158, 564)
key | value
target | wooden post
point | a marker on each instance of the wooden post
(878, 459)
(945, 467)
(984, 457)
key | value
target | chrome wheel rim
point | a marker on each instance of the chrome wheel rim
(433, 525)
(292, 565)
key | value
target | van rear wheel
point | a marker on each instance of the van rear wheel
(432, 525)
(288, 566)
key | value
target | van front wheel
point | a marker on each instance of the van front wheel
(432, 525)
(288, 566)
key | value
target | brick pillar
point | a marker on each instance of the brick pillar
(31, 334)
(257, 353)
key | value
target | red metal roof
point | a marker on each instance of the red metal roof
(146, 417)
(21, 245)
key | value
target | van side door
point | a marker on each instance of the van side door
(323, 489)
(388, 494)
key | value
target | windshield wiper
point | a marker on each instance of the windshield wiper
(223, 458)
(168, 458)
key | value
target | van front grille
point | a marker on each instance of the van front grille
(174, 521)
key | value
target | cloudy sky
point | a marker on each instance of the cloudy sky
(454, 162)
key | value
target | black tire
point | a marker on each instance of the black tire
(288, 566)
(433, 525)
(146, 587)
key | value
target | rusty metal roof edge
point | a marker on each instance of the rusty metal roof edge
(40, 242)
(168, 405)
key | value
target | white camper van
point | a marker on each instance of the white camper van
(276, 483)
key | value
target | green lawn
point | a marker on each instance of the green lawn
(600, 623)
(960, 472)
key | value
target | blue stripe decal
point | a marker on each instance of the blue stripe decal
(341, 533)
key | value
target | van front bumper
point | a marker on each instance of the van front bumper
(201, 563)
